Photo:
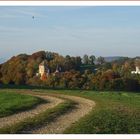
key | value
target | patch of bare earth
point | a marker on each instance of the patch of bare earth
(83, 107)
(15, 118)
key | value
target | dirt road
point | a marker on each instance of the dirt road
(83, 107)
(15, 118)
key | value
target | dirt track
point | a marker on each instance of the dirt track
(12, 119)
(83, 107)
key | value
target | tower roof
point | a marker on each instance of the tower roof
(44, 62)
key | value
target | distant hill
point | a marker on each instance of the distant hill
(113, 58)
(2, 60)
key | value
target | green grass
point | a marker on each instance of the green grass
(115, 113)
(38, 121)
(12, 102)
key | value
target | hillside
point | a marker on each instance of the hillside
(70, 111)
(113, 58)
(71, 72)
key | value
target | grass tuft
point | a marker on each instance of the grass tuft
(12, 102)
(27, 125)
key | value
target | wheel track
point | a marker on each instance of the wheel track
(83, 107)
(15, 118)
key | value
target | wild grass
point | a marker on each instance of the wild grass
(12, 102)
(115, 113)
(27, 125)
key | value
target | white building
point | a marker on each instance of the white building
(43, 69)
(137, 70)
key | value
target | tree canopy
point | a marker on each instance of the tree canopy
(87, 72)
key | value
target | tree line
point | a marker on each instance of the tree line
(87, 72)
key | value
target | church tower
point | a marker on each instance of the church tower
(43, 69)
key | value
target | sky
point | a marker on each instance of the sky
(78, 30)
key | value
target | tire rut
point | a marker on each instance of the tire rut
(15, 118)
(83, 107)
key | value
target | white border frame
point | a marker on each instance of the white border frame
(71, 136)
(70, 3)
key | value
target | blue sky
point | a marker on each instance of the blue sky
(102, 31)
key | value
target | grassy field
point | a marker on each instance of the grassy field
(39, 120)
(115, 113)
(12, 102)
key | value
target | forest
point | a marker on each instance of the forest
(87, 72)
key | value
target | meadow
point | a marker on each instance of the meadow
(12, 102)
(114, 113)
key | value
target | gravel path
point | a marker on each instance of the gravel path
(83, 107)
(58, 126)
(15, 118)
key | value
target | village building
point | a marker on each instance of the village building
(137, 64)
(137, 71)
(57, 71)
(44, 70)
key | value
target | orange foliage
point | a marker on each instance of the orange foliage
(44, 77)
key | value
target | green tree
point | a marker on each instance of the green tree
(100, 60)
(85, 59)
(92, 59)
(49, 56)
